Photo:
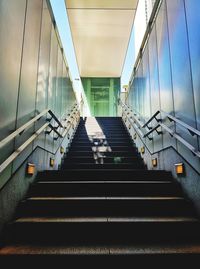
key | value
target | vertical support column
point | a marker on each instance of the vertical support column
(111, 98)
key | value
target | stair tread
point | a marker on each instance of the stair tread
(107, 182)
(136, 249)
(150, 198)
(107, 170)
(146, 219)
(136, 216)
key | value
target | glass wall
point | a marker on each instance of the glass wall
(102, 95)
(170, 76)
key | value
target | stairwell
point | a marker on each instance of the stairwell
(103, 204)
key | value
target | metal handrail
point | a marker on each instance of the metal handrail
(150, 120)
(192, 130)
(17, 152)
(26, 126)
(22, 129)
(55, 118)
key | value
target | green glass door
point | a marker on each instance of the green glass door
(100, 100)
(102, 94)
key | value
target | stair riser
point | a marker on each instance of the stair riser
(111, 144)
(110, 140)
(102, 166)
(90, 259)
(104, 208)
(106, 127)
(107, 154)
(105, 133)
(98, 189)
(113, 148)
(107, 136)
(104, 233)
(104, 175)
(105, 160)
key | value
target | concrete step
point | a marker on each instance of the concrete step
(105, 206)
(110, 160)
(104, 188)
(104, 230)
(108, 174)
(105, 166)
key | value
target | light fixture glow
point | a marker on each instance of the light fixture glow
(154, 162)
(51, 162)
(179, 167)
(62, 150)
(142, 150)
(30, 169)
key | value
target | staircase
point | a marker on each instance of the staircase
(103, 204)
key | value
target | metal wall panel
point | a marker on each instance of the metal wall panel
(180, 62)
(193, 25)
(174, 67)
(12, 16)
(164, 69)
(53, 71)
(181, 74)
(154, 84)
(140, 90)
(52, 85)
(58, 94)
(28, 54)
(147, 91)
(43, 71)
(28, 76)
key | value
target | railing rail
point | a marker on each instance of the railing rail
(191, 130)
(140, 129)
(19, 131)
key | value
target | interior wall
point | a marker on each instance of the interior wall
(33, 77)
(168, 79)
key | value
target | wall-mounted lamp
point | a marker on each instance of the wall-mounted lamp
(135, 136)
(129, 127)
(62, 150)
(179, 168)
(30, 169)
(51, 162)
(142, 150)
(154, 162)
